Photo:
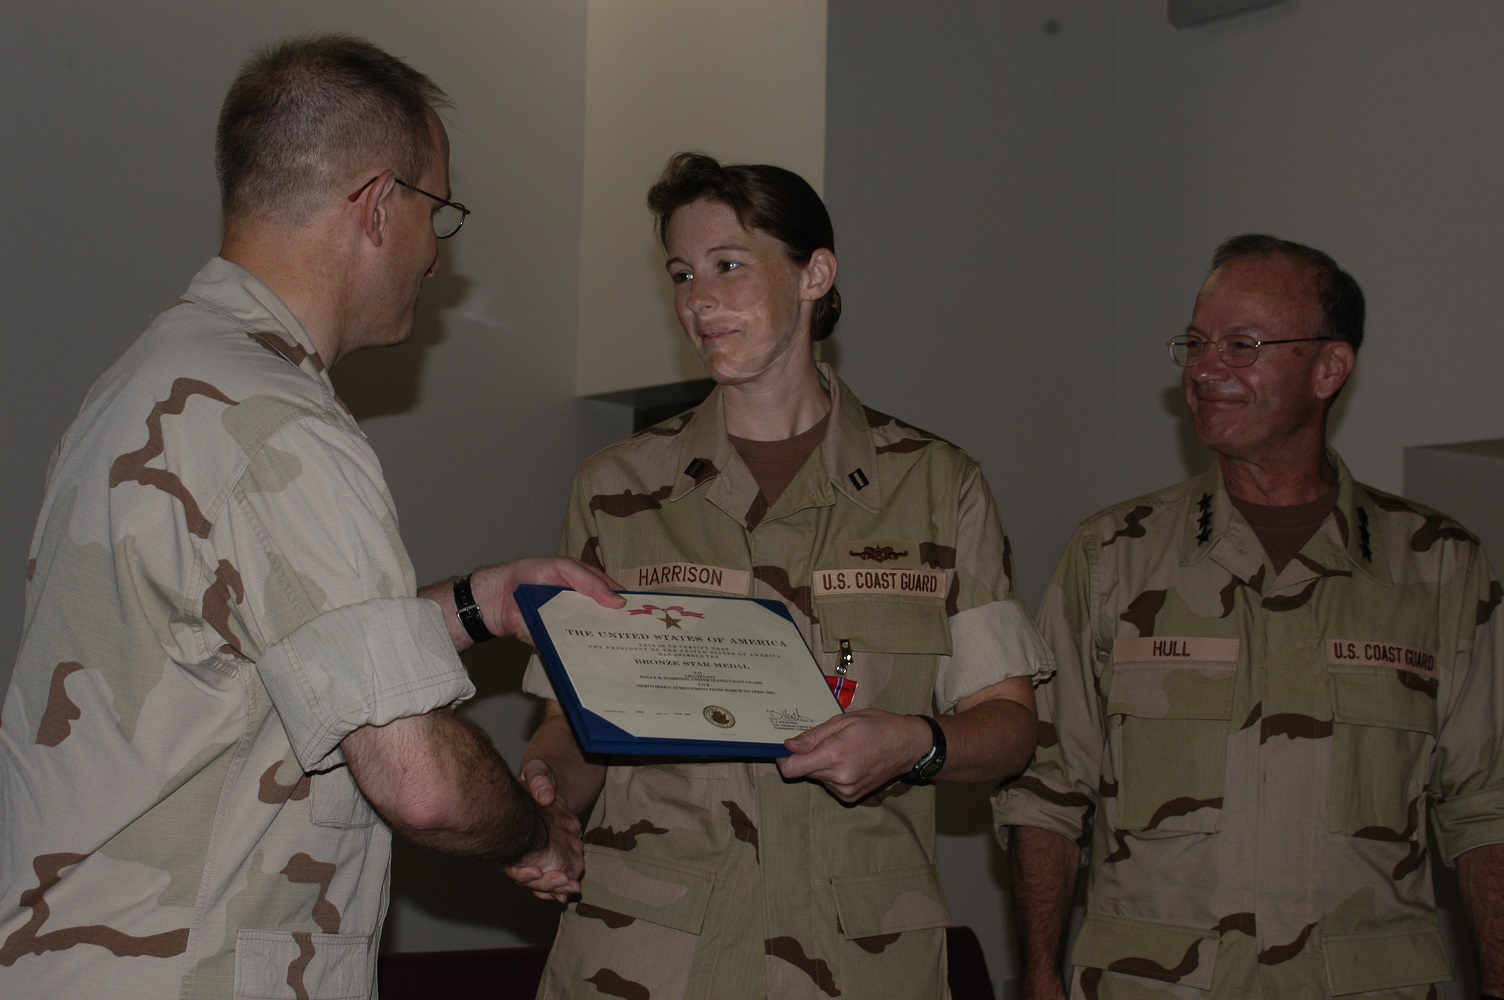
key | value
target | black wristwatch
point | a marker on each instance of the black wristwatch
(926, 767)
(469, 614)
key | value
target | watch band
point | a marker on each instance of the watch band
(926, 767)
(469, 614)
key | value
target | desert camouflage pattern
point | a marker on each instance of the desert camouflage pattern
(721, 879)
(216, 596)
(1262, 768)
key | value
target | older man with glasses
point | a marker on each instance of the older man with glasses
(1279, 701)
(229, 686)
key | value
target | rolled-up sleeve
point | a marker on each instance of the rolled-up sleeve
(365, 664)
(993, 643)
(330, 613)
(1468, 765)
(993, 637)
(1058, 791)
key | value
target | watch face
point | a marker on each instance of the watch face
(929, 765)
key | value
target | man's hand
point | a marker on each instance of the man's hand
(493, 589)
(554, 872)
(857, 753)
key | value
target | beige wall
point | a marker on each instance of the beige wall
(739, 81)
(1368, 128)
(1024, 195)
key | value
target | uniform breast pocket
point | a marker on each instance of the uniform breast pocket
(1383, 722)
(894, 644)
(884, 624)
(1167, 729)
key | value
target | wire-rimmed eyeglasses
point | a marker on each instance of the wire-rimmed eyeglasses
(1236, 352)
(447, 218)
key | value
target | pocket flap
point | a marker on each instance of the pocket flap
(1377, 696)
(271, 965)
(1185, 690)
(663, 893)
(890, 902)
(1167, 953)
(876, 623)
(1385, 960)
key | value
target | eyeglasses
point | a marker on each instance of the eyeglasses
(1236, 352)
(447, 218)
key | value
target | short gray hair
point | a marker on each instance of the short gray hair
(305, 112)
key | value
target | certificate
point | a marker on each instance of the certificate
(677, 674)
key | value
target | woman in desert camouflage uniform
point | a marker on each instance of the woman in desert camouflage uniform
(814, 876)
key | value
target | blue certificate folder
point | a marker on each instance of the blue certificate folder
(598, 735)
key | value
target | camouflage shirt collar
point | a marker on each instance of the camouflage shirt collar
(706, 454)
(848, 453)
(1355, 530)
(1348, 539)
(237, 294)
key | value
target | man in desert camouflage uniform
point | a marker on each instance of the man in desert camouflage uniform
(1279, 696)
(711, 879)
(226, 664)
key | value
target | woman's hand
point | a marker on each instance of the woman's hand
(857, 753)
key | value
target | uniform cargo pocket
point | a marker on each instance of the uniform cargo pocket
(660, 892)
(885, 624)
(273, 965)
(1165, 953)
(1168, 723)
(1385, 960)
(1383, 721)
(890, 902)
